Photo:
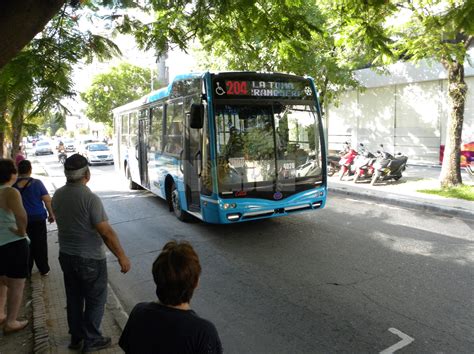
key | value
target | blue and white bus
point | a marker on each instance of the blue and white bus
(226, 147)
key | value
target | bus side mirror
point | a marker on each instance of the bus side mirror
(197, 115)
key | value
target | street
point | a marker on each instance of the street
(356, 276)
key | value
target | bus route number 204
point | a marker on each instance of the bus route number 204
(236, 87)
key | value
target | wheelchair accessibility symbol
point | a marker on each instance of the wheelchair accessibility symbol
(219, 90)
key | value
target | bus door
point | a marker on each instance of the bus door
(191, 164)
(142, 151)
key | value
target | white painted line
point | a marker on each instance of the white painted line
(406, 339)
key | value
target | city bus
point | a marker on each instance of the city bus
(226, 147)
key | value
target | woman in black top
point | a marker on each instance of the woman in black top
(170, 326)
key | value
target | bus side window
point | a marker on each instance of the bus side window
(156, 132)
(125, 133)
(133, 129)
(174, 129)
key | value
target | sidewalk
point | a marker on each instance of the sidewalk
(48, 331)
(54, 299)
(405, 191)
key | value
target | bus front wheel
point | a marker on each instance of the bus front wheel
(175, 203)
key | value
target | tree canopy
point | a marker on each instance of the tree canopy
(122, 84)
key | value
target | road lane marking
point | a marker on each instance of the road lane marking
(406, 339)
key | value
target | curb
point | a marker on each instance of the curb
(40, 330)
(113, 304)
(405, 201)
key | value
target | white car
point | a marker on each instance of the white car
(69, 145)
(82, 143)
(43, 147)
(98, 153)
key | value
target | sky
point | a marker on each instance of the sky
(178, 62)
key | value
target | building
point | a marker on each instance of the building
(406, 110)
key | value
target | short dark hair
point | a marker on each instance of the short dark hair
(176, 273)
(24, 166)
(7, 169)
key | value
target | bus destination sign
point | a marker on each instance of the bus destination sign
(299, 90)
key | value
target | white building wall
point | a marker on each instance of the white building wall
(375, 124)
(406, 110)
(417, 120)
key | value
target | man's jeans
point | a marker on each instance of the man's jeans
(85, 280)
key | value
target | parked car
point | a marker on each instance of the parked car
(43, 147)
(69, 145)
(98, 153)
(82, 143)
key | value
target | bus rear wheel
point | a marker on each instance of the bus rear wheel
(176, 204)
(131, 185)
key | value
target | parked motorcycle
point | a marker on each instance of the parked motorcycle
(347, 162)
(333, 160)
(364, 166)
(333, 164)
(387, 167)
(470, 171)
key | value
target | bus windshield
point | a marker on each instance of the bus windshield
(273, 146)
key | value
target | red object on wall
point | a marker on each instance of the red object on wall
(467, 154)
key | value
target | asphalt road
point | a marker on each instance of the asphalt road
(354, 277)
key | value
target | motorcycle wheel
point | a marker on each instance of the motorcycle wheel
(396, 178)
(342, 173)
(374, 179)
(331, 170)
(356, 177)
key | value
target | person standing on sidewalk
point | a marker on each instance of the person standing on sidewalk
(35, 198)
(170, 326)
(83, 228)
(13, 249)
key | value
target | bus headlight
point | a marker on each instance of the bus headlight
(229, 206)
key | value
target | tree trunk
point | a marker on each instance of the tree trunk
(20, 21)
(17, 127)
(3, 126)
(457, 89)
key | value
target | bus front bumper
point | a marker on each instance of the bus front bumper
(226, 211)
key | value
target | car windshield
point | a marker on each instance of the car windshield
(43, 143)
(259, 146)
(69, 141)
(98, 147)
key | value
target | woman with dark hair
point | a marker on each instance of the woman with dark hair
(35, 198)
(169, 325)
(19, 155)
(13, 249)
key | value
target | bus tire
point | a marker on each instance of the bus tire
(131, 185)
(175, 203)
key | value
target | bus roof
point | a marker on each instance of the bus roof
(166, 91)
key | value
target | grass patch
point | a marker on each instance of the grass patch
(460, 192)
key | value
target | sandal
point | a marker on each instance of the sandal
(8, 330)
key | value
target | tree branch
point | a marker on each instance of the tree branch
(20, 21)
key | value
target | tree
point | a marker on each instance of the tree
(122, 84)
(22, 20)
(255, 48)
(445, 31)
(435, 30)
(36, 80)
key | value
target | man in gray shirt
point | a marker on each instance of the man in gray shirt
(83, 228)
